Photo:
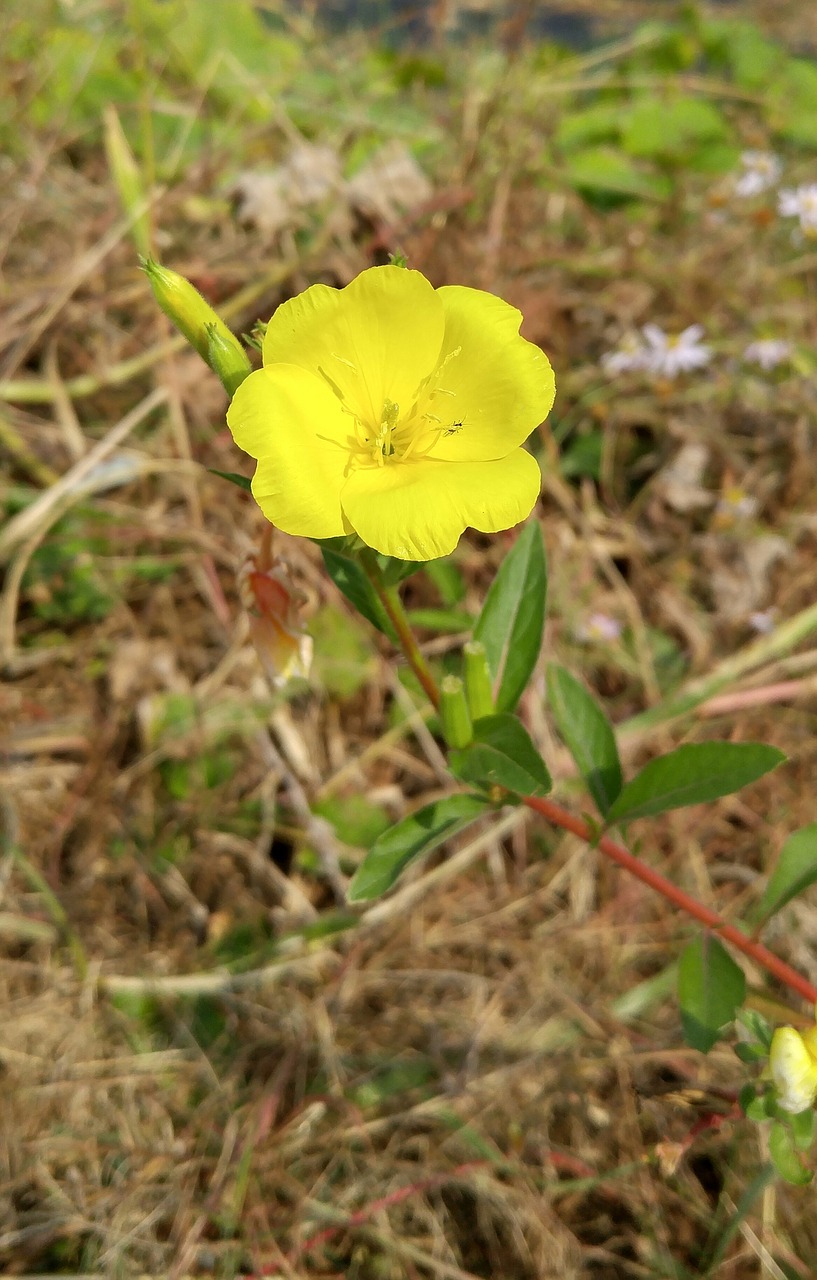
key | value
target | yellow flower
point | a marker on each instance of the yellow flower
(395, 411)
(793, 1067)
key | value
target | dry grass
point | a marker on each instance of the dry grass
(209, 1066)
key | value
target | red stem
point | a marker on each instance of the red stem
(617, 853)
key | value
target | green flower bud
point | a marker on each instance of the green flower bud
(226, 358)
(198, 322)
(454, 713)
(478, 684)
(127, 178)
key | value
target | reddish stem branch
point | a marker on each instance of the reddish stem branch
(729, 932)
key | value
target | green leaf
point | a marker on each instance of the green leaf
(588, 735)
(418, 834)
(243, 482)
(502, 754)
(395, 571)
(599, 123)
(349, 578)
(669, 128)
(693, 774)
(606, 171)
(711, 989)
(761, 1108)
(783, 1152)
(803, 1126)
(513, 616)
(795, 872)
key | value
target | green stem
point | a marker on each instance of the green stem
(389, 597)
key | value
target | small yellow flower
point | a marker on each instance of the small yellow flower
(395, 411)
(793, 1067)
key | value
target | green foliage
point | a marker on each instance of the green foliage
(588, 735)
(357, 821)
(512, 620)
(243, 482)
(784, 1151)
(419, 834)
(672, 128)
(711, 989)
(796, 871)
(693, 774)
(606, 173)
(502, 755)
(349, 577)
(343, 658)
(62, 583)
(791, 103)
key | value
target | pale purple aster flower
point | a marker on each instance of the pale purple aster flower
(599, 626)
(763, 621)
(761, 170)
(768, 352)
(800, 202)
(670, 355)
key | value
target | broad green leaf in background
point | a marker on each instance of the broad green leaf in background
(693, 774)
(349, 578)
(606, 171)
(669, 128)
(711, 989)
(503, 755)
(513, 617)
(598, 123)
(795, 872)
(588, 735)
(418, 834)
(784, 1156)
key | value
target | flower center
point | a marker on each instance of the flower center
(398, 437)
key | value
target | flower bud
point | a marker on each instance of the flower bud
(127, 179)
(454, 713)
(197, 321)
(478, 684)
(226, 358)
(793, 1067)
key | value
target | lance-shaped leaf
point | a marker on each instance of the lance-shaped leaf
(711, 989)
(588, 735)
(513, 617)
(795, 872)
(416, 835)
(502, 755)
(693, 774)
(349, 578)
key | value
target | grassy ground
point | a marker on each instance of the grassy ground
(209, 1064)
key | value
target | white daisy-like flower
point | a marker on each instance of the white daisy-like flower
(800, 202)
(768, 352)
(761, 170)
(631, 355)
(668, 355)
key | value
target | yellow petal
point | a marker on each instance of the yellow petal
(292, 423)
(793, 1070)
(502, 385)
(375, 340)
(418, 510)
